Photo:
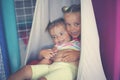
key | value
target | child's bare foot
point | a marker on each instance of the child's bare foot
(45, 61)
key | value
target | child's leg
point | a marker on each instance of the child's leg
(61, 74)
(61, 71)
(23, 73)
(39, 71)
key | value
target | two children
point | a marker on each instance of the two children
(56, 69)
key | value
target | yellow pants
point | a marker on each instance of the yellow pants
(55, 71)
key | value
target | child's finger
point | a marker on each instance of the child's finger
(66, 59)
(51, 54)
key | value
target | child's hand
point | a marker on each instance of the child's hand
(47, 53)
(55, 51)
(70, 55)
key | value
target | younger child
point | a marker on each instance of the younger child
(56, 70)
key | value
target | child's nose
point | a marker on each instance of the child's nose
(59, 38)
(72, 27)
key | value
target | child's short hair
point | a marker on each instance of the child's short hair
(55, 23)
(72, 8)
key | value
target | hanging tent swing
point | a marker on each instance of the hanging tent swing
(90, 66)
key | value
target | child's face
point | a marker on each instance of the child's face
(59, 34)
(73, 23)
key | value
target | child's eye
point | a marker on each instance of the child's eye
(61, 33)
(77, 24)
(53, 37)
(67, 24)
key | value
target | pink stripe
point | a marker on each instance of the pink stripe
(117, 43)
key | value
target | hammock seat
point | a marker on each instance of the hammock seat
(90, 65)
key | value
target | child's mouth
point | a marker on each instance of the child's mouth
(74, 33)
(61, 42)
